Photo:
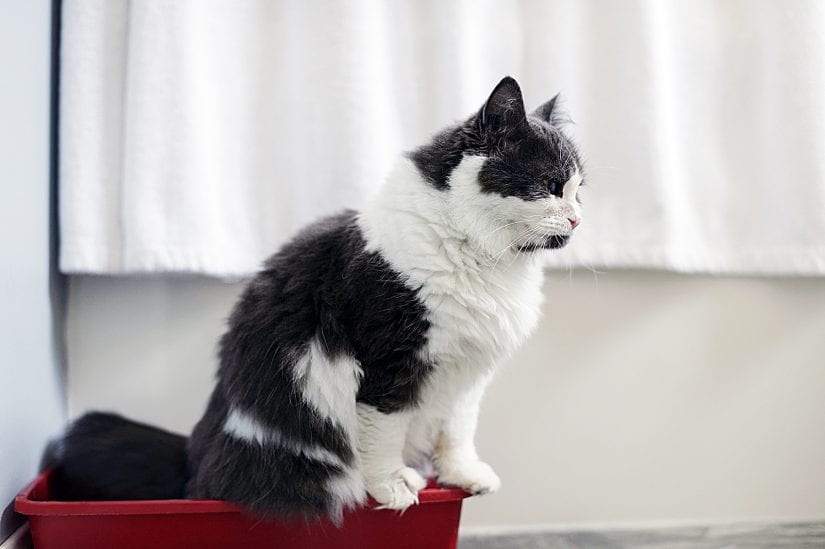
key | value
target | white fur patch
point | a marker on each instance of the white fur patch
(348, 491)
(459, 249)
(473, 475)
(381, 439)
(329, 385)
(454, 246)
(245, 427)
(569, 200)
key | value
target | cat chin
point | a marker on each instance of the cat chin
(552, 242)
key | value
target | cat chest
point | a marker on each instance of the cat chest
(480, 324)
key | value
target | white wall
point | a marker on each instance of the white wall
(31, 402)
(643, 397)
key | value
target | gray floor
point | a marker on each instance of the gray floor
(746, 536)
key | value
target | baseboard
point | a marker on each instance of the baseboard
(789, 535)
(612, 526)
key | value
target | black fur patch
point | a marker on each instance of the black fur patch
(528, 155)
(324, 286)
(264, 481)
(533, 164)
(107, 457)
(437, 159)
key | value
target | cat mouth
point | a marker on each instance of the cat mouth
(552, 242)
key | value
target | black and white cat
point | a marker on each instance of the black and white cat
(355, 360)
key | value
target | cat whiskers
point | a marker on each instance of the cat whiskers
(523, 236)
(535, 230)
(526, 220)
(509, 246)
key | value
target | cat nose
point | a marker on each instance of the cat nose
(574, 222)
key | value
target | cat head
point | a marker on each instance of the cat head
(511, 177)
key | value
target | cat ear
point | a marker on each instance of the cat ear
(504, 110)
(550, 112)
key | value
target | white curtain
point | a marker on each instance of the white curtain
(196, 136)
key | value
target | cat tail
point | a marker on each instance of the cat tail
(104, 456)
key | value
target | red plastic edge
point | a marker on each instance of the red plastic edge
(27, 502)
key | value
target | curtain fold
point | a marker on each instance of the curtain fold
(197, 136)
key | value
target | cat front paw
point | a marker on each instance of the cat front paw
(399, 491)
(474, 476)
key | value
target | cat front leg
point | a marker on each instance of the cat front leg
(455, 458)
(380, 445)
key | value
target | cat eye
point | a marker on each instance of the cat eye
(549, 185)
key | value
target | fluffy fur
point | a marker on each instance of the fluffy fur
(107, 457)
(355, 361)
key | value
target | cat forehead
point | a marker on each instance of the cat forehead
(541, 128)
(544, 144)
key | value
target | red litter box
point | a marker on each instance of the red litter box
(433, 523)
